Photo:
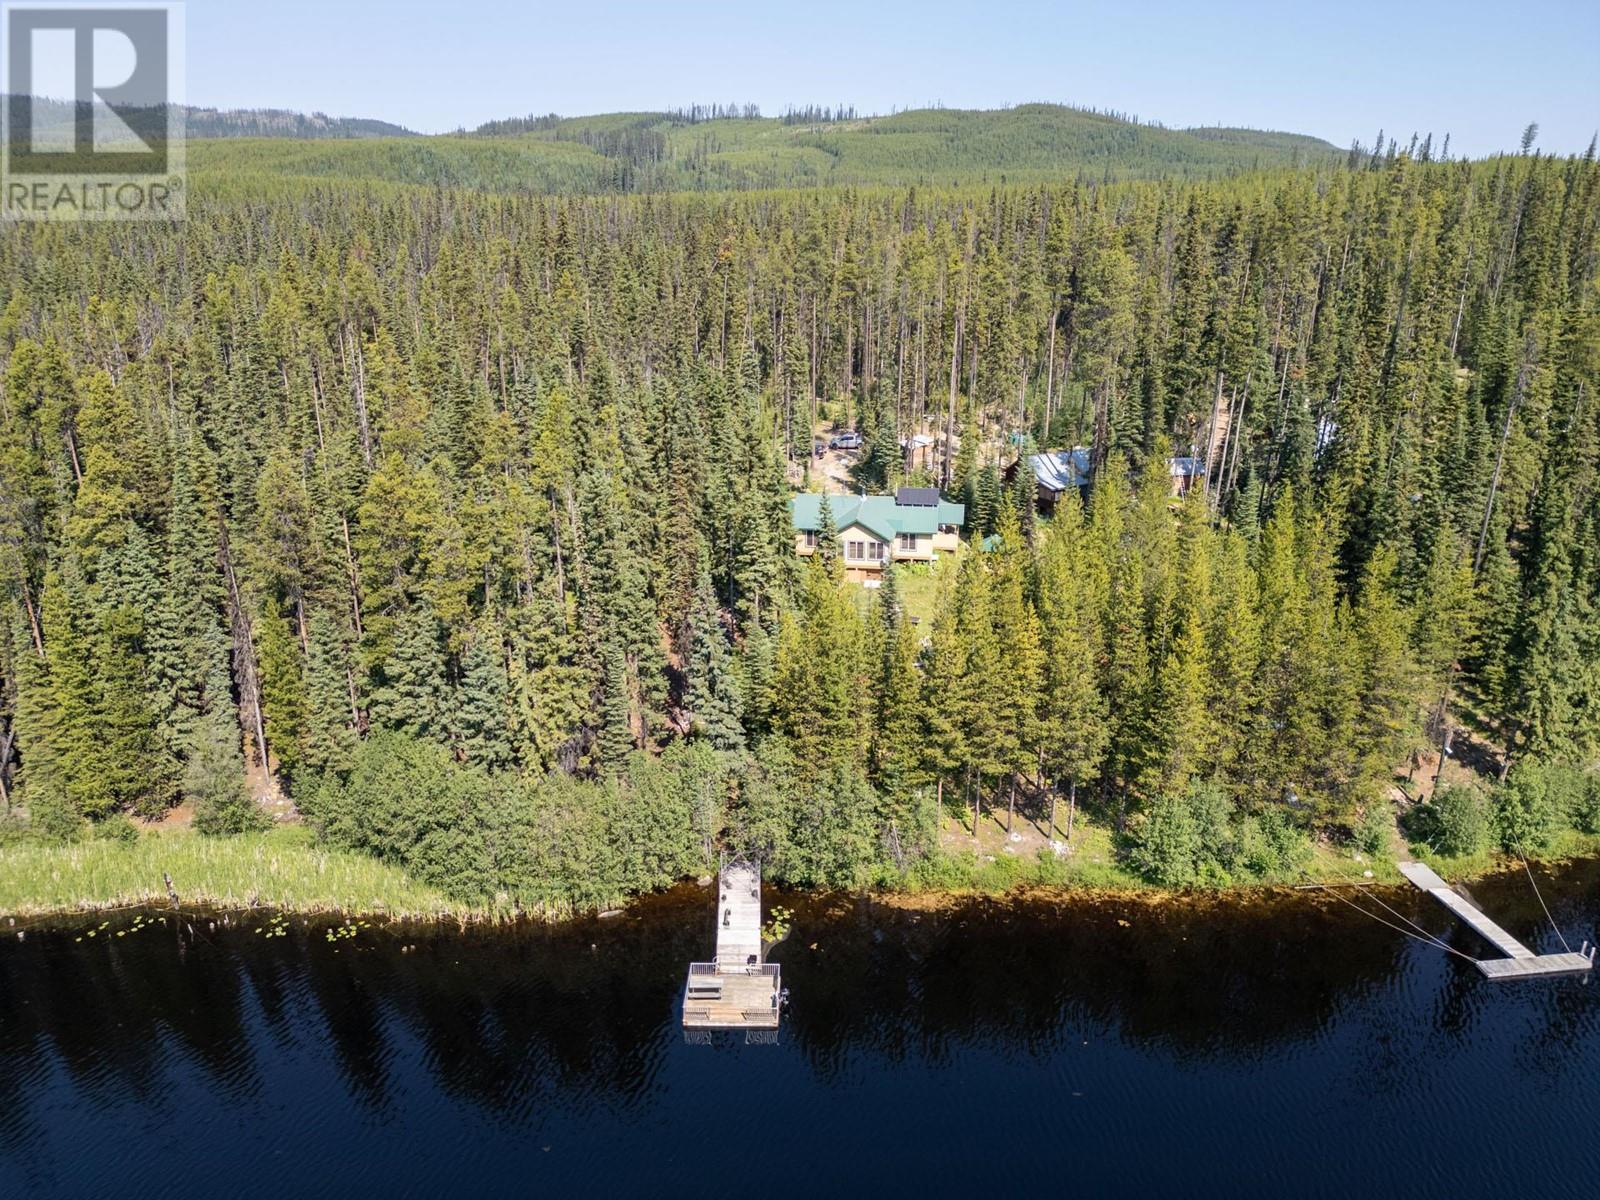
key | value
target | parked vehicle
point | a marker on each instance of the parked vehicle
(845, 441)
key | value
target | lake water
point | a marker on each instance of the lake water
(1277, 1046)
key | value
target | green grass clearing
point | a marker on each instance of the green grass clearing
(281, 868)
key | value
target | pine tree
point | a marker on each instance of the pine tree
(895, 754)
(71, 707)
(1388, 683)
(982, 752)
(1132, 743)
(1181, 718)
(1072, 709)
(46, 741)
(1546, 659)
(191, 659)
(817, 690)
(1020, 667)
(715, 699)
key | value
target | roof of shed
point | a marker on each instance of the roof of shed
(1060, 469)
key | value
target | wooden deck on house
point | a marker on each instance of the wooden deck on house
(736, 990)
(1520, 962)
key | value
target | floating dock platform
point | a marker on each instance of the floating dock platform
(1520, 962)
(737, 990)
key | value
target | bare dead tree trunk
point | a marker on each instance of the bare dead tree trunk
(1444, 728)
(359, 380)
(33, 619)
(72, 452)
(246, 669)
(5, 763)
(1461, 304)
(1050, 371)
(355, 581)
(950, 415)
(316, 402)
(1500, 454)
(355, 708)
(561, 569)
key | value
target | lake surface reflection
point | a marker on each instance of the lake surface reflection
(1280, 1045)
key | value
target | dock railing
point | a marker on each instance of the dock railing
(711, 968)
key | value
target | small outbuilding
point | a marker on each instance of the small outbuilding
(1184, 471)
(1054, 472)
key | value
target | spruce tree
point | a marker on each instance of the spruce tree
(714, 694)
(827, 551)
(214, 780)
(481, 702)
(409, 694)
(329, 738)
(283, 686)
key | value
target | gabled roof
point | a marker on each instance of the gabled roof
(1060, 469)
(880, 515)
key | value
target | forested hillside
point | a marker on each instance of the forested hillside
(714, 150)
(464, 515)
(239, 122)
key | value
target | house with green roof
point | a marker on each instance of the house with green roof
(913, 525)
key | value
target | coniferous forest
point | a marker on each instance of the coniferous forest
(460, 519)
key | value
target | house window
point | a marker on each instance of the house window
(855, 551)
(811, 539)
(875, 551)
(908, 541)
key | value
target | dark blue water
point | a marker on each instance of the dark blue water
(1281, 1046)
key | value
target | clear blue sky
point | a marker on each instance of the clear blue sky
(1479, 70)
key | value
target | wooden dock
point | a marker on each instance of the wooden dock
(1519, 962)
(737, 990)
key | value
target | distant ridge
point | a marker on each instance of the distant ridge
(279, 122)
(249, 122)
(734, 148)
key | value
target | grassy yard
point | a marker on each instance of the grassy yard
(920, 585)
(281, 868)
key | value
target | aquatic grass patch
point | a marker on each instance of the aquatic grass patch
(282, 868)
(1564, 845)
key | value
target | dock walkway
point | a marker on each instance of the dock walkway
(1520, 962)
(736, 990)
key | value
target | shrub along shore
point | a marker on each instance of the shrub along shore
(293, 867)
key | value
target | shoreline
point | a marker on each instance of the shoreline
(284, 871)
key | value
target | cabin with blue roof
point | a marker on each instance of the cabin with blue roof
(913, 525)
